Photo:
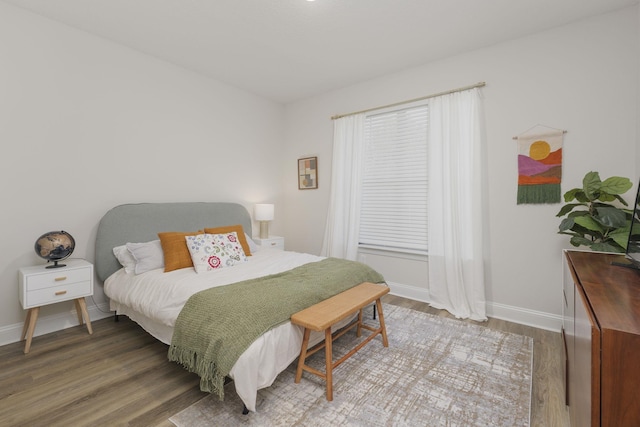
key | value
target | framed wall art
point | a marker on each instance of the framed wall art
(308, 173)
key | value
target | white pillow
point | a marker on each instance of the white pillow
(125, 258)
(214, 251)
(252, 245)
(148, 256)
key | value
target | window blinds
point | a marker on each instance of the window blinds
(394, 191)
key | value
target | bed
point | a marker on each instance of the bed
(154, 298)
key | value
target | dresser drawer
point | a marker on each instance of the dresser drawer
(55, 294)
(57, 278)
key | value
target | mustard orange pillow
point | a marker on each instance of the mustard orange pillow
(230, 229)
(175, 250)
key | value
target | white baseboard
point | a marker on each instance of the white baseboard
(13, 333)
(411, 292)
(523, 316)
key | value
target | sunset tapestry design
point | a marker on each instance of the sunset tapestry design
(539, 168)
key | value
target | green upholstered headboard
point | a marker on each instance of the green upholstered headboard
(142, 222)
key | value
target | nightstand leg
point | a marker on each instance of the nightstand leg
(78, 311)
(81, 309)
(32, 318)
(25, 327)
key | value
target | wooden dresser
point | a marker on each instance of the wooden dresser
(601, 329)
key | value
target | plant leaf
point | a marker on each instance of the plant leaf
(606, 197)
(621, 200)
(577, 213)
(582, 197)
(589, 223)
(570, 233)
(568, 208)
(591, 184)
(620, 236)
(566, 224)
(611, 217)
(615, 185)
(577, 194)
(584, 232)
(606, 247)
(580, 241)
(571, 194)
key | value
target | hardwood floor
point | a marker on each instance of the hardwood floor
(120, 376)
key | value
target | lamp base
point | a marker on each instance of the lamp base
(264, 229)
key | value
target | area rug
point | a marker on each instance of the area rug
(435, 372)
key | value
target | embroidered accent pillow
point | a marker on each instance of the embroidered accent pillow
(228, 229)
(214, 251)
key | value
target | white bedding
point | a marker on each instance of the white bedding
(154, 300)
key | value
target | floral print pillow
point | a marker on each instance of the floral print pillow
(214, 251)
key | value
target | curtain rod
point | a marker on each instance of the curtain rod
(395, 104)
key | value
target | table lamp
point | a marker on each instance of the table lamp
(264, 214)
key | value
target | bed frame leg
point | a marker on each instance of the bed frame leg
(115, 316)
(245, 411)
(374, 312)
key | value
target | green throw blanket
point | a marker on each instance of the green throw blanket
(217, 325)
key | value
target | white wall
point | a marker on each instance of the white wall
(86, 124)
(580, 77)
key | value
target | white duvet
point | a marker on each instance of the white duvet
(154, 300)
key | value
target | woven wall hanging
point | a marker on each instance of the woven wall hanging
(539, 165)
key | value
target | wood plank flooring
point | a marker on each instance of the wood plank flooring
(120, 376)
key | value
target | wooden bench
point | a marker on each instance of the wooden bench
(325, 314)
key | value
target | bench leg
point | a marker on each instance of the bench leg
(328, 351)
(303, 354)
(359, 327)
(385, 342)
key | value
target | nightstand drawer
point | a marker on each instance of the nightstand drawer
(275, 242)
(55, 279)
(278, 244)
(55, 294)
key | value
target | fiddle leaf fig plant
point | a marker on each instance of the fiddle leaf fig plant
(591, 220)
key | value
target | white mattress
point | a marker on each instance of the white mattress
(154, 300)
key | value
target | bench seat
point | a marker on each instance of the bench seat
(325, 314)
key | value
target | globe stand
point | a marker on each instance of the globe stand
(56, 265)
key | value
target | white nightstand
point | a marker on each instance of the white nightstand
(43, 286)
(275, 242)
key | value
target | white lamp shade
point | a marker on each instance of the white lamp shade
(263, 212)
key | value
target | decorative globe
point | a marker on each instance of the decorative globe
(55, 246)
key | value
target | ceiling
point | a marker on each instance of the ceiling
(287, 50)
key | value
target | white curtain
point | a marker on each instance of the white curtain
(456, 271)
(343, 219)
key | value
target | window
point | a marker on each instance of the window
(393, 212)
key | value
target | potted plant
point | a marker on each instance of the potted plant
(591, 220)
